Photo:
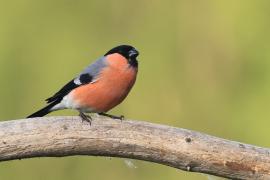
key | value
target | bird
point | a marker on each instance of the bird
(99, 87)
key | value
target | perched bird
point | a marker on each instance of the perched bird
(99, 87)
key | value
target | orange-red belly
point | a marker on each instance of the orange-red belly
(110, 89)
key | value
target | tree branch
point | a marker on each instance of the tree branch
(175, 147)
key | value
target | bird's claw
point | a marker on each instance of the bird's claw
(85, 117)
(122, 117)
(113, 116)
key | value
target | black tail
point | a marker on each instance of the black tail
(44, 110)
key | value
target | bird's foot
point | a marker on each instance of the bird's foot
(112, 116)
(85, 117)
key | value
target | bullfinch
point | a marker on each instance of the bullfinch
(99, 87)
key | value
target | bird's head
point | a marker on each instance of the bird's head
(129, 52)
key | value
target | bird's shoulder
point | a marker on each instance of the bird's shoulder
(88, 75)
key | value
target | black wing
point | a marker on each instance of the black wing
(74, 83)
(88, 75)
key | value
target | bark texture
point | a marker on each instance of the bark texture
(180, 148)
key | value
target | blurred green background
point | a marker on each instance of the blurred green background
(204, 65)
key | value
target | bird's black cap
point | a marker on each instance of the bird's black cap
(129, 52)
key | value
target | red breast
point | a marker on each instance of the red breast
(111, 87)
